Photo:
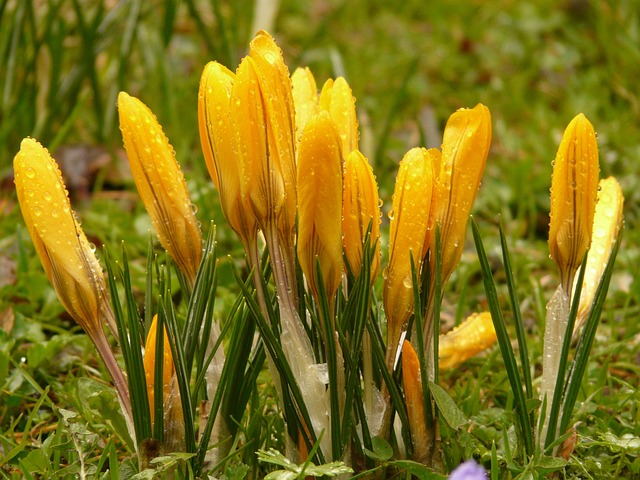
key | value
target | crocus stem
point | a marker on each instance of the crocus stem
(119, 380)
(295, 343)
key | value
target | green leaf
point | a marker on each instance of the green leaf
(382, 451)
(447, 407)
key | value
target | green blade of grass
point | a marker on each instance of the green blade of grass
(517, 315)
(504, 342)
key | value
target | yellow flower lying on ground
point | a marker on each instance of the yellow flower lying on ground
(574, 189)
(160, 184)
(466, 340)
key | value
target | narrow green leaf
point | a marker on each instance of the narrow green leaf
(504, 342)
(447, 407)
(585, 342)
(517, 315)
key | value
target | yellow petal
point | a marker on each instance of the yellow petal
(66, 255)
(337, 98)
(466, 340)
(574, 188)
(607, 222)
(160, 184)
(149, 363)
(219, 145)
(360, 207)
(414, 400)
(277, 97)
(465, 146)
(305, 98)
(261, 175)
(409, 220)
(320, 203)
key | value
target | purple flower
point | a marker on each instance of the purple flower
(469, 470)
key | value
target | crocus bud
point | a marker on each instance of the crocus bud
(466, 340)
(275, 91)
(305, 98)
(149, 362)
(574, 189)
(607, 222)
(465, 146)
(414, 400)
(320, 204)
(219, 145)
(360, 207)
(336, 97)
(409, 220)
(160, 184)
(65, 253)
(262, 112)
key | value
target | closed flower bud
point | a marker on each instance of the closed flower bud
(466, 340)
(574, 189)
(276, 94)
(409, 220)
(360, 207)
(320, 204)
(414, 400)
(336, 97)
(149, 362)
(160, 184)
(262, 112)
(66, 255)
(305, 98)
(465, 147)
(607, 222)
(219, 145)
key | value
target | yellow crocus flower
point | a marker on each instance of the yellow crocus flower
(458, 172)
(160, 184)
(414, 400)
(337, 98)
(305, 98)
(607, 222)
(149, 362)
(360, 207)
(263, 113)
(574, 189)
(65, 253)
(219, 145)
(466, 340)
(63, 248)
(320, 204)
(409, 220)
(171, 404)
